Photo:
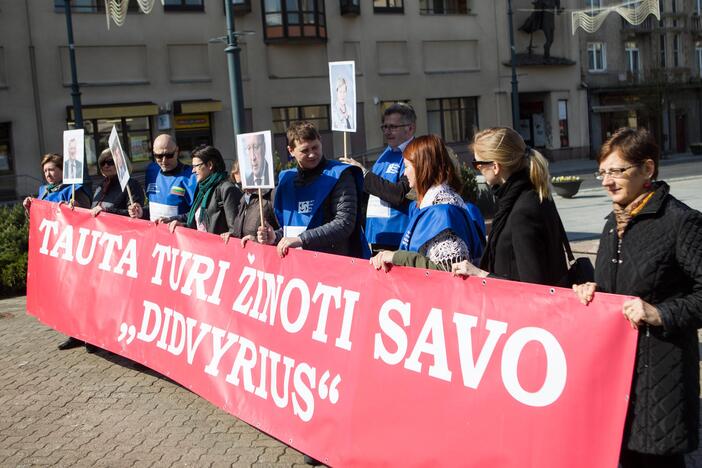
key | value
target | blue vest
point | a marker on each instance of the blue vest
(172, 194)
(427, 223)
(63, 194)
(388, 231)
(302, 206)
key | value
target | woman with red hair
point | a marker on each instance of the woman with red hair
(440, 228)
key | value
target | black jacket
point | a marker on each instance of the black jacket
(248, 217)
(530, 247)
(221, 209)
(114, 200)
(660, 261)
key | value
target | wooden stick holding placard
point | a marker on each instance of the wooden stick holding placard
(260, 206)
(346, 153)
(129, 193)
(73, 194)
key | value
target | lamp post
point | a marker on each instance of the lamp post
(515, 83)
(75, 89)
(234, 65)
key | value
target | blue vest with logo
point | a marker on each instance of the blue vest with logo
(169, 194)
(301, 206)
(427, 223)
(63, 194)
(388, 231)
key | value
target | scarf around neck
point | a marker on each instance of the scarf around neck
(624, 214)
(506, 196)
(205, 189)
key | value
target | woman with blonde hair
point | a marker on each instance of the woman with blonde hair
(440, 231)
(526, 242)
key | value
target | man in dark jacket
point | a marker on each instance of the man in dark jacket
(248, 216)
(317, 204)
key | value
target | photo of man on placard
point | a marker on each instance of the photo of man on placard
(73, 151)
(119, 158)
(342, 81)
(255, 159)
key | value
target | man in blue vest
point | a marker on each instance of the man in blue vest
(170, 185)
(317, 204)
(387, 210)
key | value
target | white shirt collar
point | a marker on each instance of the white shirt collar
(403, 145)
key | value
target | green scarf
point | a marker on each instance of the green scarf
(203, 194)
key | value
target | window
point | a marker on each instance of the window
(676, 50)
(183, 5)
(698, 55)
(5, 148)
(593, 5)
(388, 6)
(698, 7)
(284, 116)
(134, 133)
(662, 51)
(90, 6)
(596, 56)
(443, 7)
(455, 119)
(294, 19)
(633, 64)
(350, 7)
(563, 122)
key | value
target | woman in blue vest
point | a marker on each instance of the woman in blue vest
(55, 191)
(440, 227)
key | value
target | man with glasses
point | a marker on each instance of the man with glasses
(387, 210)
(170, 185)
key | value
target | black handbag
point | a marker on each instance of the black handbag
(580, 269)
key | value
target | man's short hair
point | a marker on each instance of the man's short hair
(402, 108)
(302, 131)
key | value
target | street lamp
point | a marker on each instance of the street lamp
(515, 83)
(233, 52)
(75, 90)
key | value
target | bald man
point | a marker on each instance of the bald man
(170, 185)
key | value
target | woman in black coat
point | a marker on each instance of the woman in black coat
(109, 196)
(526, 240)
(216, 197)
(651, 248)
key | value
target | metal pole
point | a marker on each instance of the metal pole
(234, 65)
(515, 83)
(75, 90)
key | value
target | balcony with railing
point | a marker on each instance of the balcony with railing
(695, 24)
(615, 78)
(648, 26)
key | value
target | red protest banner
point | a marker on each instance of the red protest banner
(352, 366)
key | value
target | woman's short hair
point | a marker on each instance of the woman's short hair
(506, 147)
(432, 164)
(211, 154)
(634, 146)
(104, 156)
(55, 158)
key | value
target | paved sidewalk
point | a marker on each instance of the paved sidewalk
(70, 408)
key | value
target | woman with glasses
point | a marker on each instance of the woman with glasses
(440, 230)
(651, 248)
(526, 239)
(109, 196)
(216, 197)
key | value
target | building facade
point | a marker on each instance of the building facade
(647, 75)
(167, 72)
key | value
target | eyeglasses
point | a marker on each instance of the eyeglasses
(392, 128)
(613, 172)
(107, 162)
(195, 166)
(164, 155)
(476, 164)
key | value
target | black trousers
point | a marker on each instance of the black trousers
(631, 459)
